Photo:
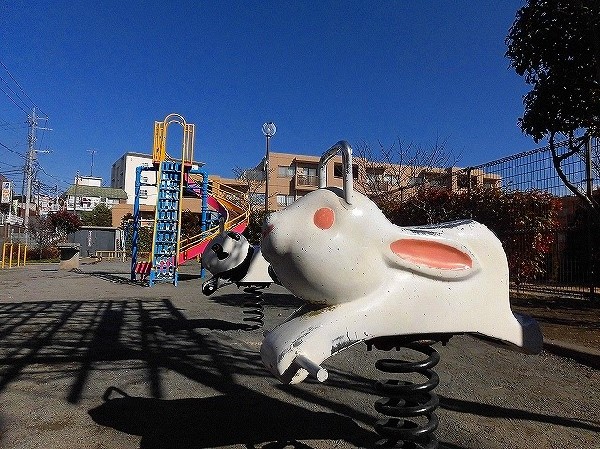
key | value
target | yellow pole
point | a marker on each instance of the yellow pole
(10, 256)
(19, 255)
(24, 254)
(3, 253)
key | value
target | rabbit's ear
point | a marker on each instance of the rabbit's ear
(434, 258)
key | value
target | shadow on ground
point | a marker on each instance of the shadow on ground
(75, 338)
(494, 411)
(240, 417)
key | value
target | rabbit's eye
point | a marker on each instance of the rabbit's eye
(324, 218)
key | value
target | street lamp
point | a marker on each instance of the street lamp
(268, 130)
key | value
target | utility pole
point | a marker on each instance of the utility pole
(32, 123)
(76, 188)
(29, 161)
(92, 152)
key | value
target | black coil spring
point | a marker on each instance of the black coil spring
(254, 308)
(409, 405)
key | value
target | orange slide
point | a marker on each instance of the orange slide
(223, 199)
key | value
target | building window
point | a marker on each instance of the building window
(285, 172)
(463, 181)
(307, 176)
(285, 200)
(414, 181)
(85, 203)
(256, 199)
(491, 183)
(338, 171)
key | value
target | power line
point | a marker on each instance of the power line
(40, 168)
(10, 165)
(12, 99)
(10, 126)
(11, 150)
(21, 89)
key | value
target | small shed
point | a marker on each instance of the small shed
(97, 238)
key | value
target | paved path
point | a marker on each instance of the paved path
(89, 360)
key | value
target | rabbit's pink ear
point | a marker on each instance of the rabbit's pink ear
(427, 255)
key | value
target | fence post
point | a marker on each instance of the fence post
(469, 171)
(589, 181)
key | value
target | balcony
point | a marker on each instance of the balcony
(306, 182)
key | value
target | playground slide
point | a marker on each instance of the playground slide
(235, 220)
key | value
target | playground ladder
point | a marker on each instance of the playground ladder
(166, 226)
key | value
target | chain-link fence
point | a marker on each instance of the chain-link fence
(572, 263)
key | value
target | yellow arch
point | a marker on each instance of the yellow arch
(159, 151)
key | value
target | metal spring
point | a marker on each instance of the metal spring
(254, 306)
(406, 399)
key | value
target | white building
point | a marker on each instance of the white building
(122, 176)
(87, 192)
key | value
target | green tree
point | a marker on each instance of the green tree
(64, 223)
(100, 215)
(555, 46)
(145, 234)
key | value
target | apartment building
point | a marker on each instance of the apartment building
(122, 176)
(292, 176)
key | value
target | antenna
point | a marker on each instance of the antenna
(92, 152)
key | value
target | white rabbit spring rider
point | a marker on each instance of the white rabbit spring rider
(366, 279)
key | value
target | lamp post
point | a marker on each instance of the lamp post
(268, 130)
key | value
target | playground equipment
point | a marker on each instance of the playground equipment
(174, 178)
(232, 260)
(8, 252)
(365, 279)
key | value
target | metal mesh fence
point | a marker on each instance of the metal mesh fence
(571, 265)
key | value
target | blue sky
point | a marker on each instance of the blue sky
(362, 71)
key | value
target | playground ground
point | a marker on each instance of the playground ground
(89, 360)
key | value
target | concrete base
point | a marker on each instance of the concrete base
(69, 256)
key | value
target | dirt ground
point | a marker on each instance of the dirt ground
(89, 360)
(570, 320)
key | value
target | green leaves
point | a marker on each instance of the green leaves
(555, 46)
(100, 215)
